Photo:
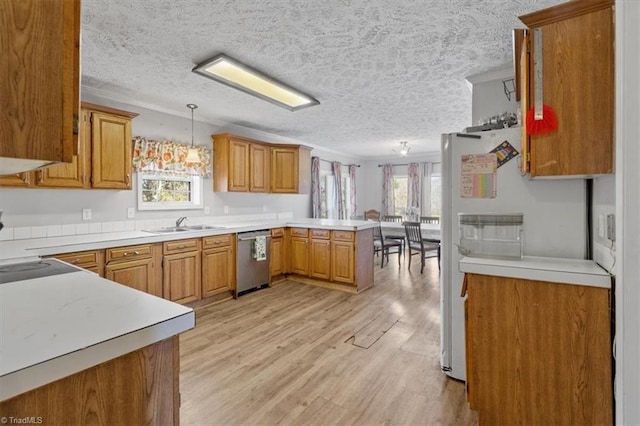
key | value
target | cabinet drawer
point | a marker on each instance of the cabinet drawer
(322, 234)
(216, 241)
(129, 253)
(181, 246)
(277, 232)
(343, 236)
(299, 232)
(83, 259)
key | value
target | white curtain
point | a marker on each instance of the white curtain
(388, 207)
(337, 182)
(413, 188)
(352, 189)
(316, 201)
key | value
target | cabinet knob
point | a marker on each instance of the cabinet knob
(128, 178)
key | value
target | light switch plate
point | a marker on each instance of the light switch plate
(611, 227)
(86, 214)
(131, 213)
(226, 209)
(207, 210)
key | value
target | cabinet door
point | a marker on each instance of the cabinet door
(277, 257)
(320, 259)
(217, 271)
(544, 347)
(300, 256)
(40, 73)
(112, 149)
(238, 166)
(137, 274)
(284, 170)
(343, 262)
(182, 274)
(578, 83)
(74, 174)
(22, 180)
(259, 160)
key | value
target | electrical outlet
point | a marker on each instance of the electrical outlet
(226, 209)
(611, 227)
(131, 213)
(207, 210)
(86, 214)
(264, 208)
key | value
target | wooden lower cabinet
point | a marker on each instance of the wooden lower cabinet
(538, 352)
(182, 271)
(136, 267)
(218, 265)
(333, 258)
(278, 253)
(320, 259)
(141, 387)
(92, 260)
(299, 253)
(343, 262)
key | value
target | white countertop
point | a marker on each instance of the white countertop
(59, 325)
(557, 270)
(30, 249)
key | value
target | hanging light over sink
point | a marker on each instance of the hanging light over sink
(192, 154)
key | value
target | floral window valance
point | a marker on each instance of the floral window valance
(168, 157)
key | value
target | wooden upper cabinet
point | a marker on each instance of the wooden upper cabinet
(290, 169)
(75, 174)
(111, 151)
(21, 180)
(259, 168)
(240, 164)
(246, 165)
(578, 83)
(40, 85)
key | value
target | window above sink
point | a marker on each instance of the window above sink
(169, 192)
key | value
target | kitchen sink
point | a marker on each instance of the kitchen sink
(173, 229)
(167, 230)
(202, 227)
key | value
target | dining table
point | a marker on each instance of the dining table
(430, 231)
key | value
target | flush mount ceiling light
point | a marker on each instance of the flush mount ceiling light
(404, 148)
(192, 154)
(242, 77)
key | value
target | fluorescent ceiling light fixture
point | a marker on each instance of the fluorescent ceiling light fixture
(242, 77)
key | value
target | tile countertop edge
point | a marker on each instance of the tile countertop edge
(556, 270)
(19, 250)
(29, 378)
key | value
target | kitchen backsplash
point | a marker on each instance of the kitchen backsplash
(27, 232)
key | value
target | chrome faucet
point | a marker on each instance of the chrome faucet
(180, 220)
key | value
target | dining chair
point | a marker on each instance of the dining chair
(430, 219)
(384, 245)
(372, 214)
(418, 245)
(394, 218)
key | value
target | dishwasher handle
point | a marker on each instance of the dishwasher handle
(251, 236)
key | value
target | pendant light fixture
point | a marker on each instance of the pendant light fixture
(192, 154)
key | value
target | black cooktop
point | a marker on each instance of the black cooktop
(30, 270)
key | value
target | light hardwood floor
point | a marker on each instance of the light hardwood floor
(296, 354)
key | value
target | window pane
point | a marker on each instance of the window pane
(436, 196)
(400, 194)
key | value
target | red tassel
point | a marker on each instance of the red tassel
(548, 123)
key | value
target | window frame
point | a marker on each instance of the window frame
(197, 192)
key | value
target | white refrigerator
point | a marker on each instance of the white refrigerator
(554, 223)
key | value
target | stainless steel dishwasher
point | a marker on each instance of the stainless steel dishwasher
(252, 268)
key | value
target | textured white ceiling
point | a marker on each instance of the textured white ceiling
(384, 71)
